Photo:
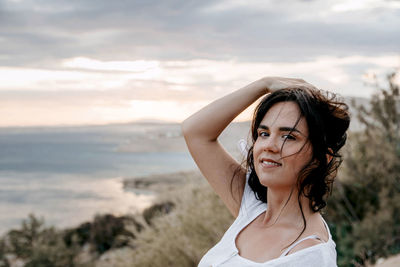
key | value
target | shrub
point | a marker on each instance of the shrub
(38, 245)
(157, 210)
(106, 230)
(183, 236)
(365, 209)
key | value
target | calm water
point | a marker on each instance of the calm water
(67, 175)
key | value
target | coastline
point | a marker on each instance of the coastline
(159, 183)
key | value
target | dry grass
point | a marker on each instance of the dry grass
(393, 261)
(181, 237)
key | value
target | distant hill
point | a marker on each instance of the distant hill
(172, 127)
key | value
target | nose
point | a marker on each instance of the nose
(271, 145)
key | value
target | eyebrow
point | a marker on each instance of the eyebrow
(282, 129)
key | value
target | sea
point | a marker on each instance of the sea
(67, 175)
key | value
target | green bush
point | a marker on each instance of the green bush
(157, 210)
(107, 232)
(364, 210)
(37, 245)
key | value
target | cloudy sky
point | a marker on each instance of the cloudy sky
(74, 62)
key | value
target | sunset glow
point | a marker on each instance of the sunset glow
(126, 69)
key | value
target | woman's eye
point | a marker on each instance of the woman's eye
(289, 137)
(263, 134)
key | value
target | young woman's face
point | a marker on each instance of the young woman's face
(277, 166)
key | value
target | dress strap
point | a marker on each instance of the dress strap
(327, 228)
(297, 242)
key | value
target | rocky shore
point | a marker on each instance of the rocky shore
(160, 183)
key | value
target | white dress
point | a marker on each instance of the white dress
(225, 252)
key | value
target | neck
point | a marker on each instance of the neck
(284, 208)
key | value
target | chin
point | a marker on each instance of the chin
(266, 180)
(272, 181)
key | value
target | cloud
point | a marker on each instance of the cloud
(345, 6)
(36, 33)
(91, 64)
(102, 55)
(180, 76)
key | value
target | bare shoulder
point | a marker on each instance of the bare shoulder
(306, 244)
(317, 228)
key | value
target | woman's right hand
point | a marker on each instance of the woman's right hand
(276, 83)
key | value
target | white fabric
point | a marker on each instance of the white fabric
(225, 252)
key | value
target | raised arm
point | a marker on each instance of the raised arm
(202, 129)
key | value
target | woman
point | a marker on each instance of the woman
(291, 163)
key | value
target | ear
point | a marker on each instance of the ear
(329, 156)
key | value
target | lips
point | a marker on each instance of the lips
(267, 162)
